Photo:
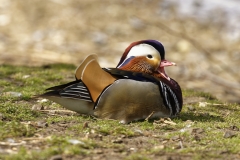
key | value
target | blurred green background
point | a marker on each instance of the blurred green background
(202, 37)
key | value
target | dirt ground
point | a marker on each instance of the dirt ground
(134, 142)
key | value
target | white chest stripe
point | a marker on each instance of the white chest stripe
(167, 94)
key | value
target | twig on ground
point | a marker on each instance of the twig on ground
(149, 116)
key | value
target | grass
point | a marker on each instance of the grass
(26, 133)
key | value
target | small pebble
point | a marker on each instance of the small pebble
(75, 141)
(13, 94)
(132, 149)
(98, 151)
(10, 140)
(191, 108)
(202, 104)
(159, 147)
(37, 107)
(62, 125)
(56, 157)
(92, 131)
(176, 138)
(41, 124)
(118, 140)
(42, 100)
(229, 134)
(52, 112)
(26, 76)
(138, 132)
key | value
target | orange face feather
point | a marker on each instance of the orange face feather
(138, 64)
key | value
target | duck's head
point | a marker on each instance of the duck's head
(146, 56)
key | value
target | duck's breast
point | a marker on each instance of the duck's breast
(128, 100)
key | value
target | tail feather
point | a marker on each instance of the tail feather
(72, 96)
(50, 93)
(60, 87)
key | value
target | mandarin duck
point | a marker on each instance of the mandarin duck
(136, 89)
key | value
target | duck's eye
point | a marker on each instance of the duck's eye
(149, 56)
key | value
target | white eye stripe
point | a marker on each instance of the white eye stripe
(143, 50)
